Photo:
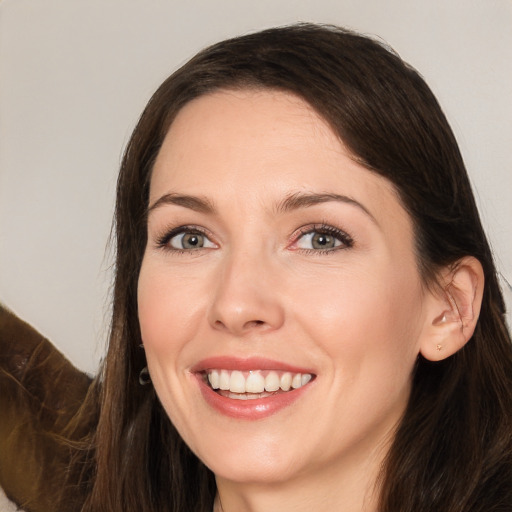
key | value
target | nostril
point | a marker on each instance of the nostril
(242, 327)
(254, 323)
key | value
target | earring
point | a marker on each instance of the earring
(144, 377)
(439, 347)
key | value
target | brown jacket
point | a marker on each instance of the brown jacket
(41, 394)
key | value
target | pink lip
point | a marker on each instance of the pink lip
(247, 409)
(246, 364)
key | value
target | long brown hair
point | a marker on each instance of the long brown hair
(453, 448)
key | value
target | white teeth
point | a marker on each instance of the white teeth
(254, 384)
(306, 377)
(237, 382)
(224, 380)
(297, 381)
(247, 396)
(272, 382)
(213, 377)
(286, 381)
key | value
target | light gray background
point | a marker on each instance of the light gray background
(75, 75)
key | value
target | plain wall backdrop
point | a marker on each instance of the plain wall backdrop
(75, 75)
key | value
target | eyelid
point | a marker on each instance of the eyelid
(323, 228)
(162, 241)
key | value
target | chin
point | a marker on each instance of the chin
(253, 460)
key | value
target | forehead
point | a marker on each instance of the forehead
(264, 125)
(232, 144)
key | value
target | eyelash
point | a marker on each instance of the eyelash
(324, 229)
(162, 242)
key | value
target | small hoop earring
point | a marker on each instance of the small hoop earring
(144, 377)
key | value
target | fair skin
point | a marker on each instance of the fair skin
(290, 258)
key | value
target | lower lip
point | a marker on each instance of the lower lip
(255, 409)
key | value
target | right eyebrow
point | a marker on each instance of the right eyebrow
(306, 200)
(196, 203)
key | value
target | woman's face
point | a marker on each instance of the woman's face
(277, 265)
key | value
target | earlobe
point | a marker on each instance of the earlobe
(454, 311)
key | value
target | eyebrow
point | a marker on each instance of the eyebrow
(306, 200)
(196, 203)
(292, 202)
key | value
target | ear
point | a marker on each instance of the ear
(452, 312)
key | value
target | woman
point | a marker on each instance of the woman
(302, 272)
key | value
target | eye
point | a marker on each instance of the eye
(185, 239)
(188, 241)
(317, 240)
(322, 238)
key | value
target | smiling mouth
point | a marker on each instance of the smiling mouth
(254, 384)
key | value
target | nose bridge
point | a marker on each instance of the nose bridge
(246, 297)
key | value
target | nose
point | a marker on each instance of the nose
(247, 297)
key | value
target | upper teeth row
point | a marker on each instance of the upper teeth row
(255, 382)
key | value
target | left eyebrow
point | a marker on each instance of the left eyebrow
(302, 200)
(198, 204)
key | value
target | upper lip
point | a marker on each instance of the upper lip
(246, 364)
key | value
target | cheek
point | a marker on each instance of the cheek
(166, 312)
(369, 321)
(153, 299)
(168, 306)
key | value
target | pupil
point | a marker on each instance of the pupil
(192, 241)
(322, 241)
